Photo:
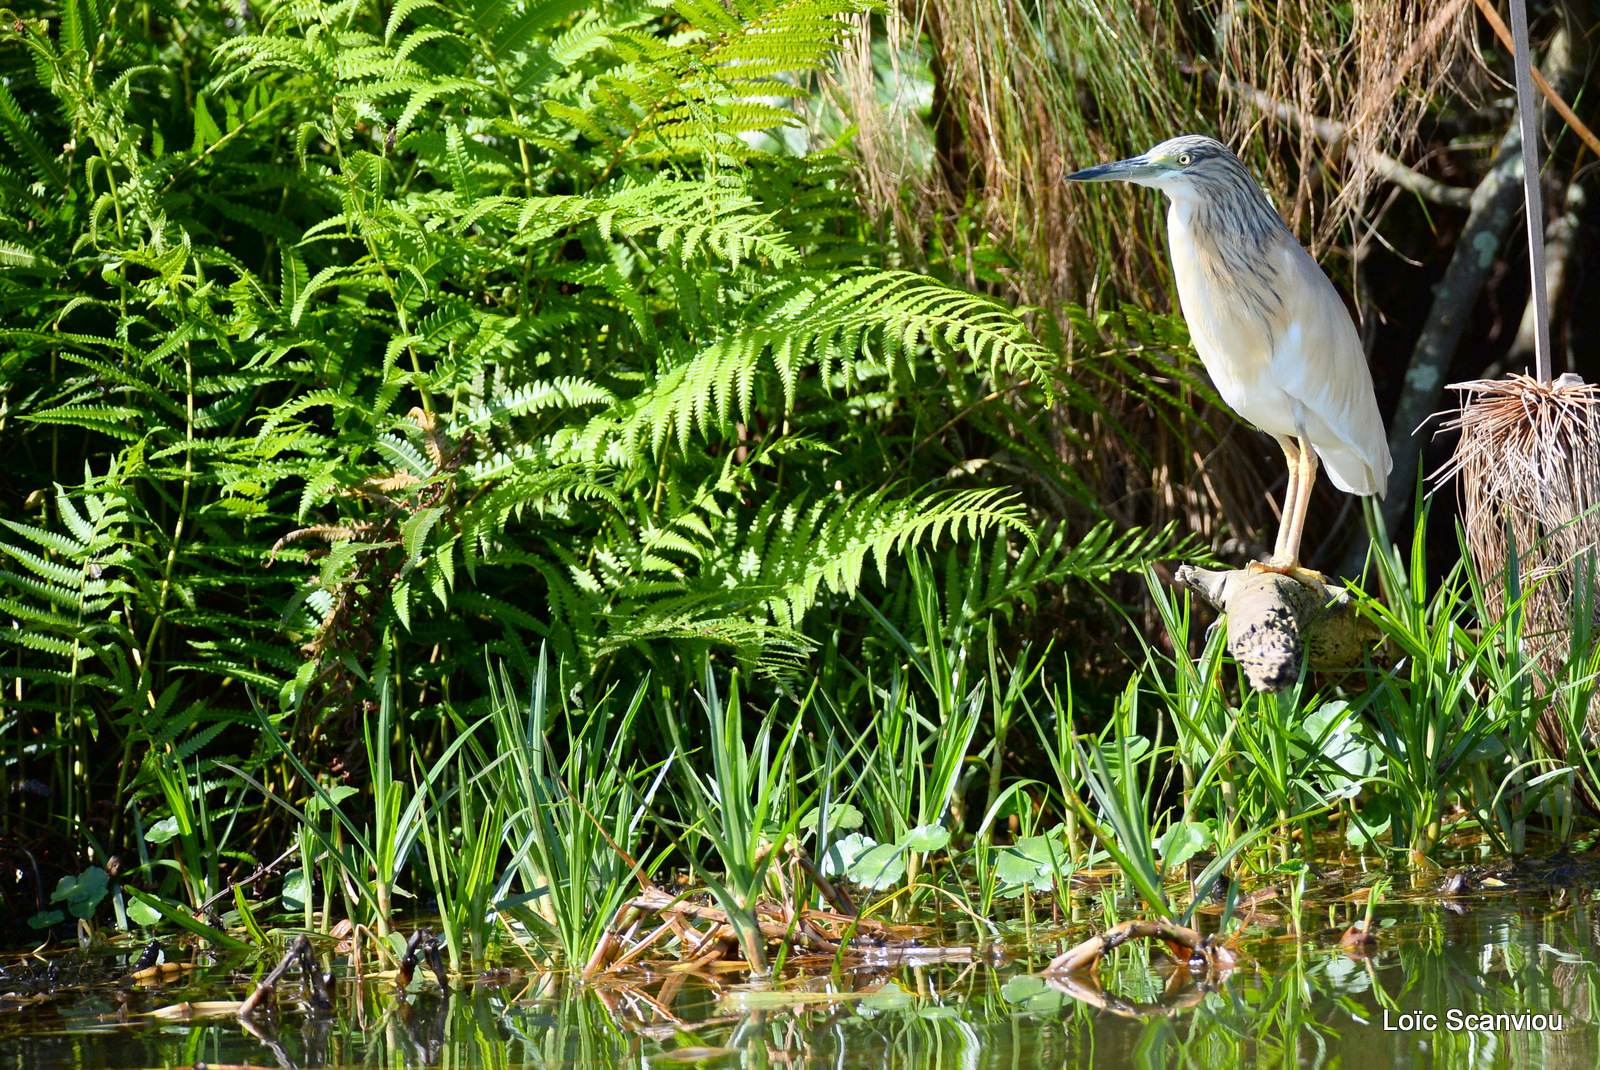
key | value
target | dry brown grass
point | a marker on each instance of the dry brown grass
(1528, 463)
(1377, 74)
(1030, 91)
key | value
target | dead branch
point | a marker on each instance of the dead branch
(299, 952)
(771, 928)
(1274, 622)
(1336, 135)
(1203, 952)
(423, 946)
(1496, 207)
(831, 892)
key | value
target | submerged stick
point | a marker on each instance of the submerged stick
(1204, 951)
(1085, 990)
(299, 951)
(1275, 622)
(422, 947)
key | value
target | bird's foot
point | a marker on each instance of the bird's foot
(1293, 569)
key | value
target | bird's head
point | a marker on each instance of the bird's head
(1186, 165)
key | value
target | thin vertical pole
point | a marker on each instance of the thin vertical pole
(1528, 117)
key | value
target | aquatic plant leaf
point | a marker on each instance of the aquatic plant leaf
(296, 890)
(842, 853)
(162, 831)
(1368, 822)
(176, 915)
(879, 868)
(840, 816)
(1182, 842)
(82, 893)
(1332, 732)
(142, 915)
(1016, 871)
(334, 796)
(1032, 862)
(925, 838)
(248, 917)
(1122, 757)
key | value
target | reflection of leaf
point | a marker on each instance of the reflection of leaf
(891, 997)
(1347, 978)
(694, 1053)
(1022, 988)
(1032, 993)
(880, 867)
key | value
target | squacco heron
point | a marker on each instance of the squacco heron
(1269, 326)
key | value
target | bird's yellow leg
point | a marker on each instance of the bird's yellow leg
(1297, 502)
(1291, 454)
(1296, 520)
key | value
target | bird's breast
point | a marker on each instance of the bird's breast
(1230, 322)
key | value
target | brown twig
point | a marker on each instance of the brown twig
(831, 892)
(299, 951)
(1335, 135)
(1205, 951)
(260, 872)
(1498, 24)
(423, 946)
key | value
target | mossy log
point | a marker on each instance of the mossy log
(1274, 622)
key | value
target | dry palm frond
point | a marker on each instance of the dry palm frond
(1529, 467)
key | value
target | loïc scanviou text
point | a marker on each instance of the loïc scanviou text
(1458, 1021)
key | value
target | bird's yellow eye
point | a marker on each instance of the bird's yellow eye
(1185, 159)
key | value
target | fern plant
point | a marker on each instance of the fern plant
(468, 323)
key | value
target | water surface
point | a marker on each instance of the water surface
(1291, 1002)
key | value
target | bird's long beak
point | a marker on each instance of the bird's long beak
(1129, 170)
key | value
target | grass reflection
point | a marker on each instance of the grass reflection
(1288, 1004)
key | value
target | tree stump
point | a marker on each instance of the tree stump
(1274, 622)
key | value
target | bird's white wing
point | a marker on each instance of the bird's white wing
(1318, 362)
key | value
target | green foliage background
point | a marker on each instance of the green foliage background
(345, 342)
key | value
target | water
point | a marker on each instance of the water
(1291, 1003)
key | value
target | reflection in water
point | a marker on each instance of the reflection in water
(1289, 1003)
